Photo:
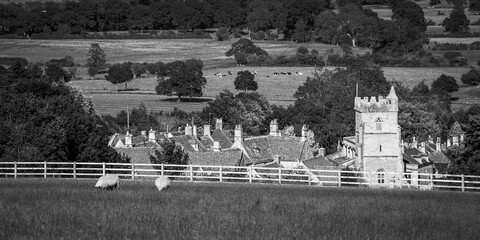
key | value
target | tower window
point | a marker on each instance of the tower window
(380, 148)
(378, 124)
(381, 176)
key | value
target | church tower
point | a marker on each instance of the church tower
(378, 135)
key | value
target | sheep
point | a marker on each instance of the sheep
(109, 182)
(162, 183)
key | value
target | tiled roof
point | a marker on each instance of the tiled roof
(318, 163)
(441, 167)
(341, 160)
(218, 135)
(186, 142)
(266, 148)
(350, 139)
(410, 159)
(439, 157)
(207, 142)
(231, 157)
(139, 155)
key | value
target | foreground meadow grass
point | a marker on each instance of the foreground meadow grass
(73, 209)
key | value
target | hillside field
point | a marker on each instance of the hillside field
(74, 209)
(278, 89)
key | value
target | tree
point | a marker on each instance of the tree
(245, 80)
(96, 60)
(457, 21)
(474, 6)
(411, 12)
(182, 79)
(120, 73)
(249, 109)
(222, 34)
(470, 78)
(435, 2)
(421, 89)
(246, 46)
(445, 83)
(417, 120)
(468, 159)
(55, 73)
(169, 153)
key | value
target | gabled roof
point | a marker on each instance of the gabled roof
(138, 155)
(219, 135)
(186, 142)
(318, 163)
(439, 157)
(266, 148)
(441, 167)
(231, 157)
(342, 160)
(413, 156)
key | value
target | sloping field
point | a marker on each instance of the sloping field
(142, 50)
(73, 209)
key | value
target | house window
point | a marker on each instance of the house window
(378, 124)
(381, 176)
(380, 148)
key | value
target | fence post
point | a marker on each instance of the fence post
(161, 168)
(280, 175)
(463, 183)
(431, 180)
(74, 170)
(103, 168)
(221, 179)
(309, 177)
(191, 173)
(15, 169)
(133, 171)
(45, 169)
(339, 178)
(251, 173)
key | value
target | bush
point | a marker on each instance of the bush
(475, 45)
(63, 62)
(9, 61)
(314, 52)
(471, 78)
(452, 55)
(302, 50)
(260, 35)
(222, 34)
(430, 22)
(440, 13)
(198, 31)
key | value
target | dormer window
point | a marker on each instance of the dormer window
(378, 124)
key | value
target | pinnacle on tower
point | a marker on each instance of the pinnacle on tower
(392, 94)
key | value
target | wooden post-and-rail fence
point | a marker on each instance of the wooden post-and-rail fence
(250, 174)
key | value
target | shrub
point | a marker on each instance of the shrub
(222, 34)
(440, 13)
(9, 61)
(430, 22)
(314, 52)
(198, 31)
(475, 45)
(302, 50)
(452, 55)
(63, 62)
(471, 78)
(260, 35)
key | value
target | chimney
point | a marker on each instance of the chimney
(194, 130)
(219, 124)
(216, 146)
(238, 134)
(274, 128)
(449, 143)
(144, 133)
(151, 136)
(206, 130)
(438, 146)
(414, 142)
(422, 147)
(128, 140)
(188, 130)
(430, 139)
(321, 152)
(455, 140)
(462, 137)
(304, 134)
(277, 159)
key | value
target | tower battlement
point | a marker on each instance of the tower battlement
(377, 104)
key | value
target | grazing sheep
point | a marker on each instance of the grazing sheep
(109, 182)
(162, 183)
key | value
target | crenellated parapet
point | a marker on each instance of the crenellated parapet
(377, 104)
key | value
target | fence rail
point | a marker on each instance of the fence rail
(251, 174)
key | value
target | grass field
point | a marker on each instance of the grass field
(73, 209)
(278, 89)
(142, 50)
